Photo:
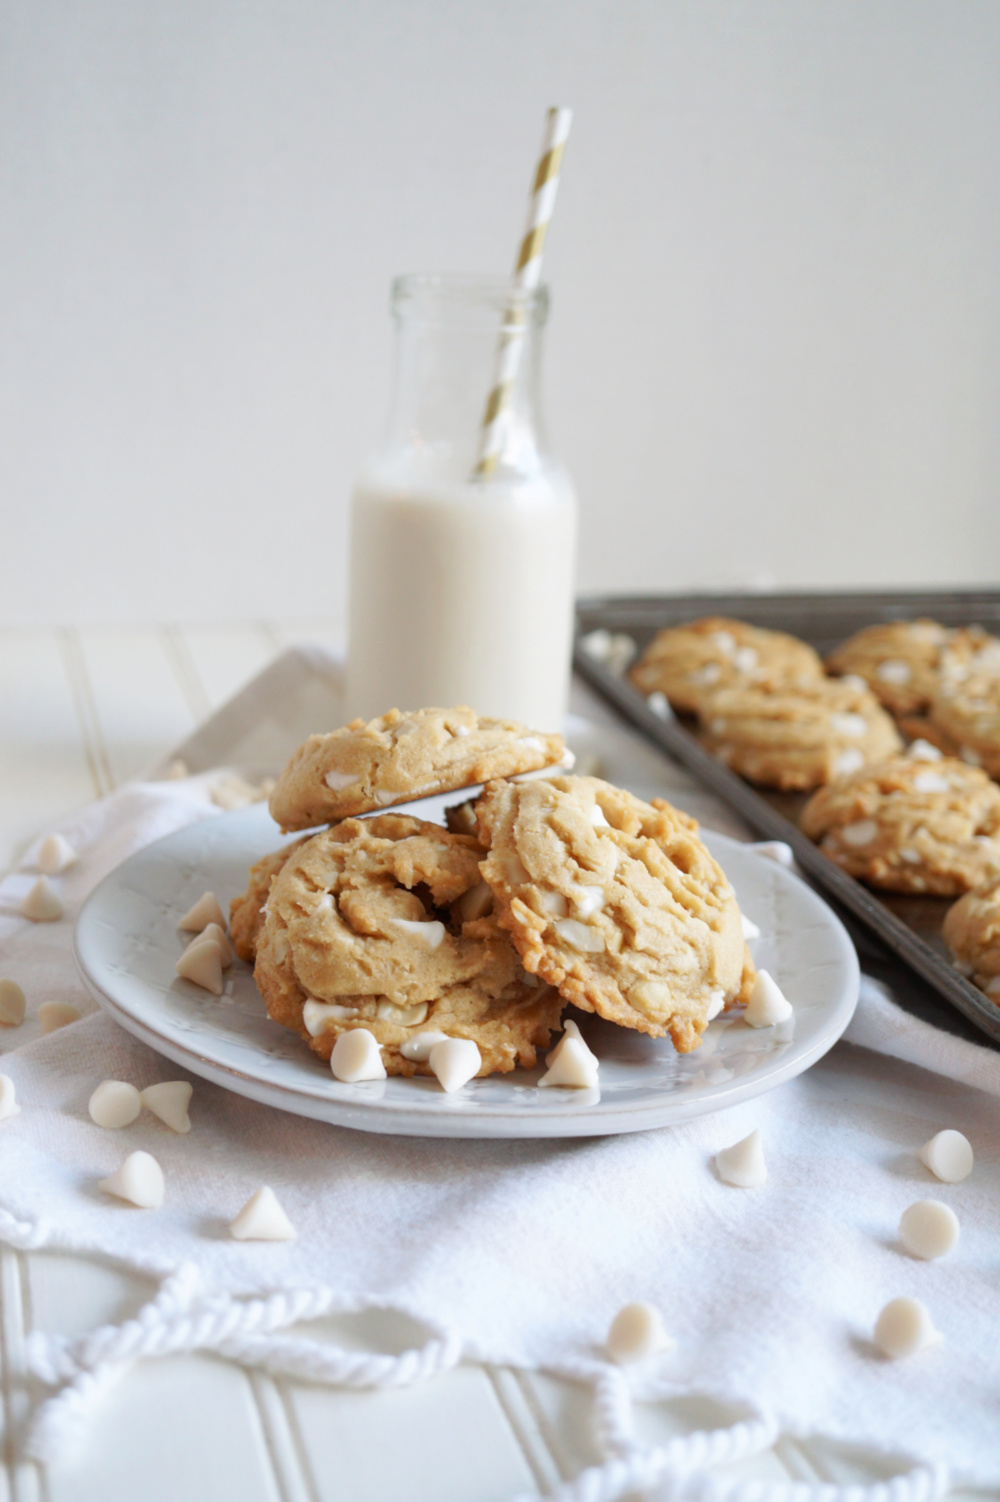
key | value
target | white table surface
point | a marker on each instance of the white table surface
(82, 710)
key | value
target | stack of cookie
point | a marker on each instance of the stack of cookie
(543, 890)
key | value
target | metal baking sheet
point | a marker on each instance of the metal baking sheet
(909, 926)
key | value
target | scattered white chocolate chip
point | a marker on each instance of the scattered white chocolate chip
(948, 1156)
(387, 1011)
(860, 833)
(894, 670)
(768, 1004)
(455, 1062)
(570, 1030)
(659, 704)
(418, 1049)
(12, 1004)
(53, 1015)
(743, 1164)
(205, 911)
(318, 1015)
(928, 1229)
(573, 1066)
(139, 1181)
(169, 1101)
(336, 781)
(216, 935)
(56, 854)
(427, 932)
(202, 965)
(8, 1103)
(114, 1104)
(42, 905)
(750, 929)
(922, 750)
(775, 850)
(356, 1056)
(579, 935)
(848, 761)
(637, 1332)
(262, 1219)
(903, 1328)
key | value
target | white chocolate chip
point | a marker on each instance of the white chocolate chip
(139, 1181)
(428, 933)
(318, 1016)
(860, 833)
(659, 705)
(567, 760)
(53, 1015)
(768, 1004)
(202, 966)
(928, 1229)
(579, 936)
(337, 781)
(948, 1156)
(716, 1001)
(477, 902)
(418, 1049)
(746, 659)
(597, 817)
(570, 1030)
(717, 726)
(12, 1004)
(553, 903)
(530, 742)
(461, 731)
(894, 670)
(775, 850)
(725, 641)
(970, 757)
(387, 1011)
(357, 1056)
(903, 1328)
(854, 680)
(114, 1104)
(911, 856)
(750, 929)
(42, 905)
(8, 1102)
(922, 750)
(931, 782)
(636, 1333)
(56, 854)
(707, 675)
(205, 911)
(262, 1219)
(743, 1164)
(849, 724)
(214, 934)
(848, 761)
(651, 998)
(455, 1062)
(573, 1066)
(587, 900)
(169, 1102)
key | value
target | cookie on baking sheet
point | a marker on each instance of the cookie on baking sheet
(905, 662)
(967, 711)
(972, 933)
(687, 662)
(909, 825)
(246, 912)
(796, 739)
(386, 923)
(615, 901)
(403, 756)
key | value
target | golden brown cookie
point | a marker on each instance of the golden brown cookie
(386, 923)
(967, 711)
(972, 933)
(687, 663)
(246, 912)
(403, 756)
(909, 825)
(616, 902)
(905, 662)
(798, 738)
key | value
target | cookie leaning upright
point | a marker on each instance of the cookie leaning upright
(615, 901)
(688, 662)
(398, 757)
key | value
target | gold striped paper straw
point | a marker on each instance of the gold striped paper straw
(527, 274)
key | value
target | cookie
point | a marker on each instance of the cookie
(615, 901)
(686, 663)
(246, 912)
(972, 933)
(386, 923)
(967, 712)
(904, 662)
(403, 756)
(797, 739)
(909, 825)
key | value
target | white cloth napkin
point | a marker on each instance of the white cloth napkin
(528, 1249)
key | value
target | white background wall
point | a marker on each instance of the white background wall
(775, 348)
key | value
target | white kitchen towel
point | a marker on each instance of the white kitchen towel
(522, 1252)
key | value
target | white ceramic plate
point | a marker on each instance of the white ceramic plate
(127, 943)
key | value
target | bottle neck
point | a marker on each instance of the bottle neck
(454, 336)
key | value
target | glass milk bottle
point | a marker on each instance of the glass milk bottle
(461, 588)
